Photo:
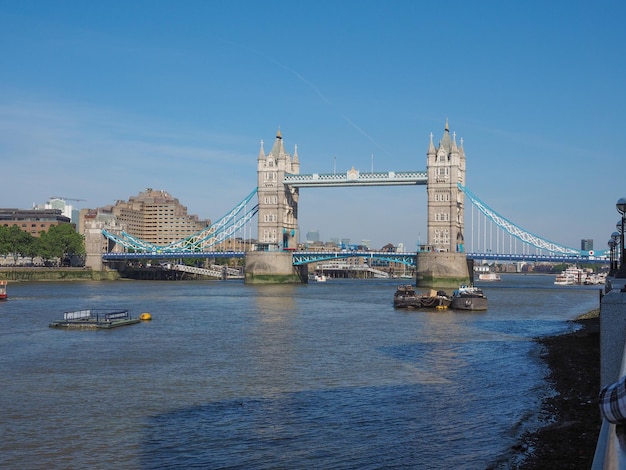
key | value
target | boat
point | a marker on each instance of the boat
(595, 279)
(320, 278)
(571, 276)
(469, 298)
(3, 290)
(489, 277)
(406, 297)
(95, 319)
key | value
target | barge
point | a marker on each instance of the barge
(95, 319)
(406, 297)
(469, 298)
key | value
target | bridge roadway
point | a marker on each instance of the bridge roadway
(306, 257)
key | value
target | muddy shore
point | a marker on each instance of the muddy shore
(572, 418)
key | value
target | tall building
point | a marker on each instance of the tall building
(586, 244)
(278, 203)
(313, 236)
(446, 168)
(61, 204)
(157, 217)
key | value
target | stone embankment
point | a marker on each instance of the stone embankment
(56, 274)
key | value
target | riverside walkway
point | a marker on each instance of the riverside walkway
(611, 448)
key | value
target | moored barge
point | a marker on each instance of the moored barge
(406, 297)
(469, 298)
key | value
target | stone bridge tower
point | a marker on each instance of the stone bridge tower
(272, 261)
(278, 204)
(444, 264)
(446, 168)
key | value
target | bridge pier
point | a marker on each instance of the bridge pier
(442, 270)
(273, 267)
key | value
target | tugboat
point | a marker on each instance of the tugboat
(406, 297)
(3, 290)
(469, 298)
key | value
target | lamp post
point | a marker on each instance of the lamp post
(611, 256)
(621, 208)
(615, 239)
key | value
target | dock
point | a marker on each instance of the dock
(95, 319)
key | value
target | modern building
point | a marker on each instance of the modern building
(157, 217)
(33, 221)
(313, 236)
(586, 244)
(66, 209)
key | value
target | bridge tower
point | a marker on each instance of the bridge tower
(445, 167)
(272, 261)
(443, 263)
(278, 203)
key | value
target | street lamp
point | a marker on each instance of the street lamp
(621, 208)
(611, 256)
(615, 240)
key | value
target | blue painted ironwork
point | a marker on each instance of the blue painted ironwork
(537, 258)
(160, 255)
(355, 178)
(199, 244)
(199, 241)
(306, 257)
(520, 233)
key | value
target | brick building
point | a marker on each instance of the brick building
(33, 221)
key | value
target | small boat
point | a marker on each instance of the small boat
(95, 318)
(469, 298)
(406, 297)
(489, 277)
(3, 290)
(320, 278)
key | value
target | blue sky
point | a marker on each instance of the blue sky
(99, 100)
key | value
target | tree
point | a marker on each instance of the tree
(18, 243)
(4, 240)
(61, 241)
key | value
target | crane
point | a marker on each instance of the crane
(66, 198)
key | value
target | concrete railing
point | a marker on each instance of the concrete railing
(611, 447)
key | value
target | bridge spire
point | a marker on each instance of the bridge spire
(431, 146)
(261, 152)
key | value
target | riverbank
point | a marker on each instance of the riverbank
(568, 439)
(27, 274)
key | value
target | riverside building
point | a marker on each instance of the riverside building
(155, 216)
(33, 221)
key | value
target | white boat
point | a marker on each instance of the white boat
(489, 277)
(320, 278)
(571, 276)
(595, 279)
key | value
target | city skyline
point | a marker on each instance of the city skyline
(100, 101)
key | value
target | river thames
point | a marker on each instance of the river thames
(230, 376)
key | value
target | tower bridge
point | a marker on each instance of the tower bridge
(276, 257)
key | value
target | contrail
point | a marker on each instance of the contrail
(315, 90)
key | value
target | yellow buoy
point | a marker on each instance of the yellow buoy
(145, 316)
